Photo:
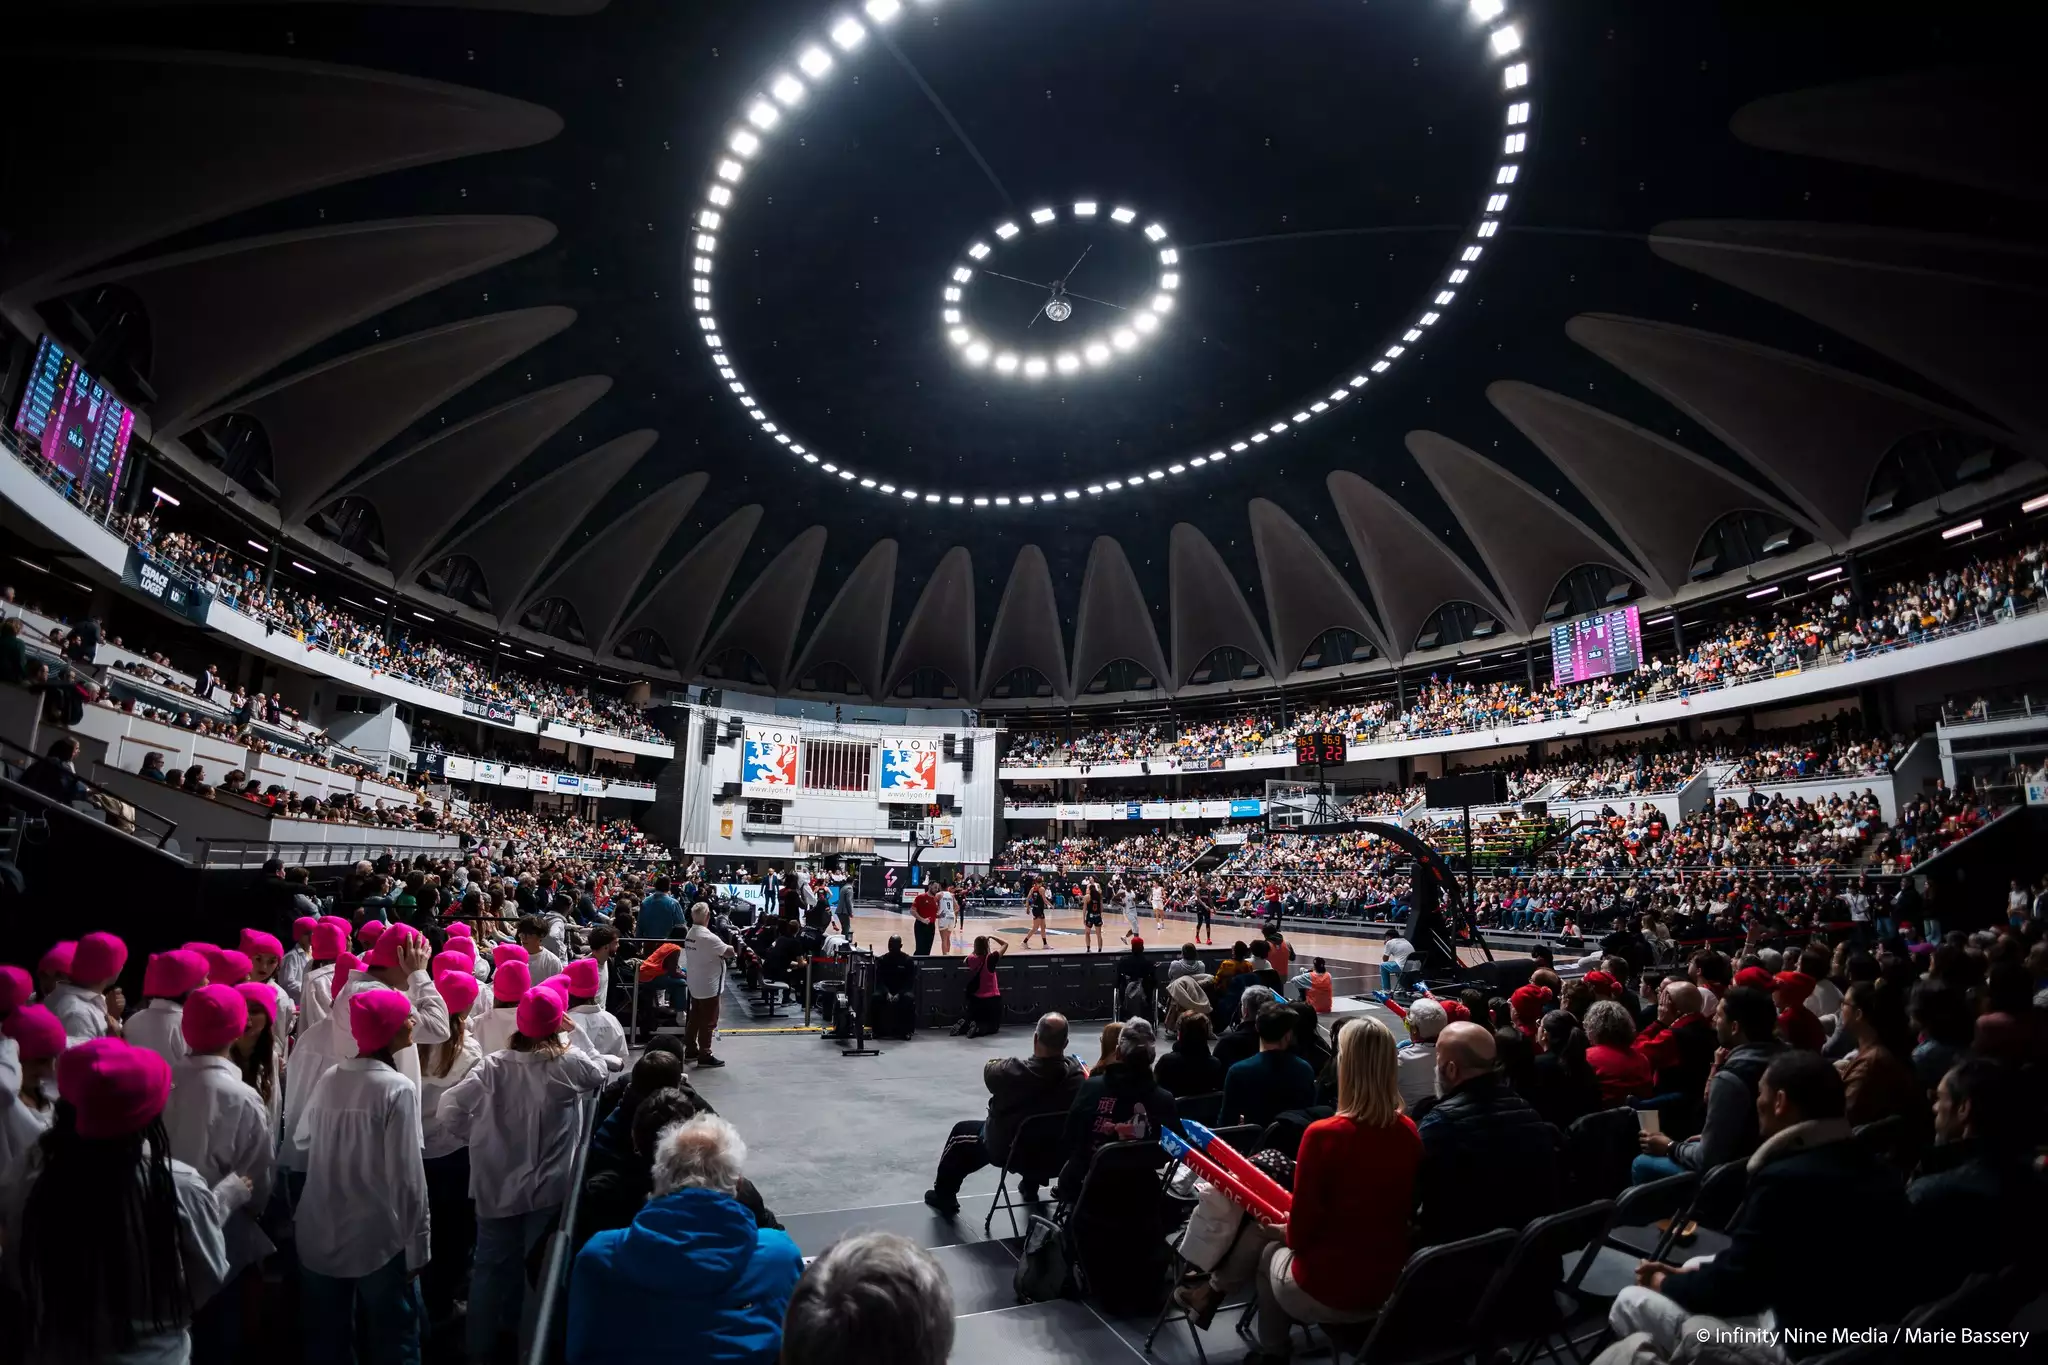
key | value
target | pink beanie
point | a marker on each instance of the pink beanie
(231, 967)
(100, 957)
(57, 962)
(540, 1013)
(371, 931)
(329, 942)
(214, 1017)
(338, 921)
(585, 976)
(461, 929)
(384, 952)
(459, 989)
(37, 1032)
(449, 961)
(260, 995)
(16, 986)
(177, 972)
(116, 1088)
(557, 986)
(344, 965)
(302, 928)
(509, 952)
(375, 1017)
(464, 948)
(511, 983)
(255, 942)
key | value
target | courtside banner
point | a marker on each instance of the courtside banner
(910, 768)
(769, 765)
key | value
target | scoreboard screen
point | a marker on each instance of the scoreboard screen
(1320, 747)
(1596, 646)
(76, 424)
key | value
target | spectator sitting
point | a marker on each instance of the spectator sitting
(614, 1195)
(1878, 1079)
(1561, 1085)
(1185, 996)
(1799, 1025)
(1808, 1160)
(1137, 988)
(1261, 1087)
(1746, 1025)
(1679, 1045)
(1488, 1158)
(1243, 1040)
(873, 1298)
(1416, 1061)
(1105, 1053)
(694, 1278)
(1119, 1103)
(1624, 1073)
(1018, 1088)
(1189, 1069)
(1973, 1195)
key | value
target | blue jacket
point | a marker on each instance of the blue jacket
(660, 915)
(693, 1279)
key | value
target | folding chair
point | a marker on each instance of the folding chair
(1532, 1298)
(1412, 1327)
(1034, 1158)
(1599, 1151)
(1713, 1208)
(1202, 1109)
(1117, 1227)
(1641, 1207)
(1886, 1139)
(1243, 1138)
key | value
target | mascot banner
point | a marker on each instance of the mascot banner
(910, 767)
(769, 768)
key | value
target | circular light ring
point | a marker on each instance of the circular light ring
(785, 95)
(1138, 324)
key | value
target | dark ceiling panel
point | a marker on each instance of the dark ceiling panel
(854, 631)
(1112, 621)
(764, 621)
(1964, 311)
(1972, 126)
(325, 421)
(600, 578)
(679, 606)
(181, 138)
(1208, 605)
(940, 631)
(1410, 571)
(223, 315)
(1305, 595)
(462, 464)
(560, 8)
(1026, 631)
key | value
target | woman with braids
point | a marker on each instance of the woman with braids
(111, 1244)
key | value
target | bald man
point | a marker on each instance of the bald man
(1488, 1159)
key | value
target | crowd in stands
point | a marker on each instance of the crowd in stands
(1136, 853)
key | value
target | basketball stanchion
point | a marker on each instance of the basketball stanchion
(860, 972)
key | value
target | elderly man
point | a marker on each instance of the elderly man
(873, 1298)
(1415, 1063)
(704, 957)
(1018, 1088)
(1745, 1028)
(1242, 1041)
(694, 1278)
(1679, 1046)
(1488, 1158)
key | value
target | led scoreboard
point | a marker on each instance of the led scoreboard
(1320, 748)
(76, 424)
(1596, 646)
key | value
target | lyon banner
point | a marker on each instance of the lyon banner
(770, 763)
(910, 767)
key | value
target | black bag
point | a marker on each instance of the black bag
(1045, 1269)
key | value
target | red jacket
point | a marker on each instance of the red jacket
(1353, 1190)
(1800, 1027)
(1624, 1075)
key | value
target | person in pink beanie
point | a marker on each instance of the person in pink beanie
(266, 961)
(520, 1110)
(167, 980)
(53, 966)
(260, 1050)
(442, 1068)
(510, 952)
(27, 1106)
(17, 988)
(81, 998)
(367, 936)
(509, 985)
(291, 972)
(59, 1213)
(362, 1224)
(591, 1027)
(230, 967)
(316, 990)
(220, 1127)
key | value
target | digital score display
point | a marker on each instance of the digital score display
(1320, 748)
(1596, 646)
(75, 423)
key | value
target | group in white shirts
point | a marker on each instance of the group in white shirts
(400, 1118)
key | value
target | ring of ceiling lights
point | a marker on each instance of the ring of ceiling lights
(784, 96)
(1092, 352)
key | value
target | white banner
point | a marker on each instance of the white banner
(768, 763)
(1065, 812)
(909, 768)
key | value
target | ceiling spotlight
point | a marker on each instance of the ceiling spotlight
(1237, 446)
(1156, 474)
(1123, 338)
(728, 170)
(848, 34)
(719, 195)
(959, 336)
(709, 219)
(1516, 144)
(1145, 322)
(762, 115)
(1506, 40)
(1041, 216)
(706, 242)
(815, 62)
(1073, 492)
(1097, 353)
(1123, 215)
(950, 315)
(1155, 232)
(1486, 11)
(1067, 362)
(1058, 310)
(882, 11)
(701, 264)
(952, 293)
(745, 143)
(1339, 395)
(1006, 231)
(1429, 319)
(977, 354)
(963, 274)
(1085, 209)
(1034, 368)
(1169, 257)
(1277, 428)
(978, 250)
(981, 502)
(1518, 113)
(1170, 280)
(1162, 303)
(1215, 455)
(1516, 76)
(1007, 363)
(786, 88)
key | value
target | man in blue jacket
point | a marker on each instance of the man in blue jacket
(661, 915)
(694, 1279)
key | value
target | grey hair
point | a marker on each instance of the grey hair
(1254, 997)
(1137, 1042)
(1607, 1022)
(703, 1153)
(1426, 1019)
(873, 1296)
(700, 913)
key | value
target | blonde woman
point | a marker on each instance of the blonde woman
(1354, 1185)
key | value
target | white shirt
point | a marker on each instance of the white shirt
(433, 1088)
(330, 1042)
(493, 1032)
(20, 1126)
(291, 971)
(704, 955)
(10, 1066)
(597, 1031)
(82, 1012)
(949, 909)
(160, 1027)
(287, 1011)
(314, 1001)
(1397, 950)
(220, 1127)
(365, 1199)
(1415, 1072)
(542, 964)
(522, 1115)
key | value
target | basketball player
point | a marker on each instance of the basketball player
(1128, 903)
(1158, 908)
(1034, 901)
(1091, 916)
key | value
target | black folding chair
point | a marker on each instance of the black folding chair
(1885, 1139)
(1412, 1327)
(1642, 1207)
(1599, 1151)
(1242, 1138)
(1117, 1227)
(1034, 1158)
(1202, 1109)
(1533, 1299)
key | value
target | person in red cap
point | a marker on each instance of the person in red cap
(17, 988)
(228, 967)
(1797, 1024)
(87, 1294)
(1529, 1004)
(520, 1110)
(26, 1108)
(220, 1127)
(593, 1028)
(362, 1225)
(166, 981)
(82, 996)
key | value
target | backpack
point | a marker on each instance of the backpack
(1045, 1266)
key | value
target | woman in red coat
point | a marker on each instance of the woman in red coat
(1624, 1073)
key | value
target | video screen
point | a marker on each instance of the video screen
(1596, 646)
(74, 422)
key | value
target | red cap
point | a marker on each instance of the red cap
(302, 929)
(231, 967)
(1756, 979)
(329, 942)
(372, 930)
(260, 995)
(344, 966)
(57, 962)
(458, 989)
(1602, 981)
(16, 986)
(460, 929)
(116, 1088)
(36, 1032)
(1455, 1011)
(509, 952)
(392, 941)
(1799, 983)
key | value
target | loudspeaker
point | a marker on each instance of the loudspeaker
(1467, 789)
(967, 757)
(708, 745)
(714, 696)
(729, 791)
(734, 728)
(1502, 976)
(947, 748)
